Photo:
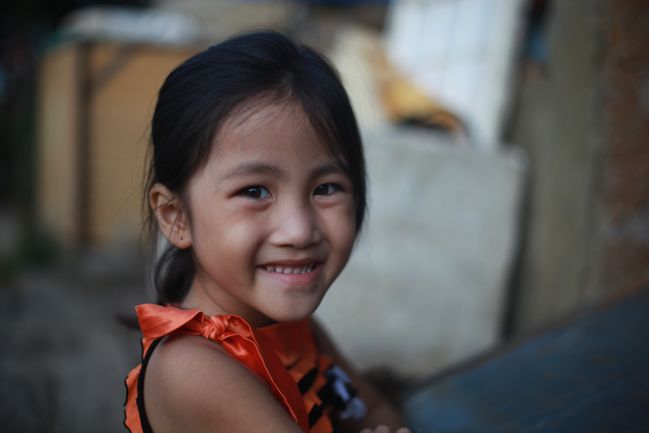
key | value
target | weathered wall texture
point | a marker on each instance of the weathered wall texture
(585, 124)
(625, 228)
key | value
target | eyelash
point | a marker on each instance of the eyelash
(255, 192)
(334, 188)
(260, 192)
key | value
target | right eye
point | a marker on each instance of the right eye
(256, 192)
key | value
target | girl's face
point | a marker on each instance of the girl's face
(271, 218)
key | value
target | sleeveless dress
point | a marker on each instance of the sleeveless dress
(284, 355)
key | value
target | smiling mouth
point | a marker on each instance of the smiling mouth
(291, 270)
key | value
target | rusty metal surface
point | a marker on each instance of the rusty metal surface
(589, 376)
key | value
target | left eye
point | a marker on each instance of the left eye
(326, 189)
(255, 192)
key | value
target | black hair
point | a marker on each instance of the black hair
(199, 95)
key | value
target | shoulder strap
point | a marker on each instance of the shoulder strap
(144, 420)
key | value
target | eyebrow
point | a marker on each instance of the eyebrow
(256, 168)
(325, 169)
(251, 168)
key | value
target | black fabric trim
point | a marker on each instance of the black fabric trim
(329, 397)
(307, 380)
(125, 400)
(146, 427)
(315, 414)
(332, 398)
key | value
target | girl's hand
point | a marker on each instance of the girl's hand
(385, 429)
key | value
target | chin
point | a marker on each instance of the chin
(291, 317)
(294, 314)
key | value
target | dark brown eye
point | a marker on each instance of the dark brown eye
(256, 192)
(326, 189)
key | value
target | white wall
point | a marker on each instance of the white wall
(460, 52)
(425, 286)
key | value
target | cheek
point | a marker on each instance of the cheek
(226, 236)
(342, 229)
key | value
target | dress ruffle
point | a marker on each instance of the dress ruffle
(252, 348)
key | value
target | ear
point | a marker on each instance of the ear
(172, 220)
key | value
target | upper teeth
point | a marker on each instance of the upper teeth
(291, 269)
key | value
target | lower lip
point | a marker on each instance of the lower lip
(294, 280)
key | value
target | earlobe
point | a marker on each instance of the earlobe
(172, 220)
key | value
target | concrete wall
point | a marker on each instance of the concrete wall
(426, 285)
(585, 126)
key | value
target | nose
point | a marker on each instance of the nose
(295, 225)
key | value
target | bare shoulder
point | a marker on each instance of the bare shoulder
(192, 385)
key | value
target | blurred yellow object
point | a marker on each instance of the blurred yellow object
(405, 102)
(95, 99)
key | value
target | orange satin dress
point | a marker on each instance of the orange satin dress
(284, 356)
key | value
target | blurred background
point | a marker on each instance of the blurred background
(508, 153)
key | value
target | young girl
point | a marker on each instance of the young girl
(257, 181)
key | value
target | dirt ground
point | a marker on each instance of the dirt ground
(64, 352)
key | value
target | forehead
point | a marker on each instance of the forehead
(266, 129)
(262, 118)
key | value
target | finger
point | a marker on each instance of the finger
(404, 430)
(382, 429)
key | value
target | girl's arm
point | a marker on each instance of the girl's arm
(380, 411)
(193, 386)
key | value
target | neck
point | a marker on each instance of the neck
(216, 302)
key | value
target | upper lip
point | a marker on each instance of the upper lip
(292, 262)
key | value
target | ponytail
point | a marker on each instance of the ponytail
(173, 273)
